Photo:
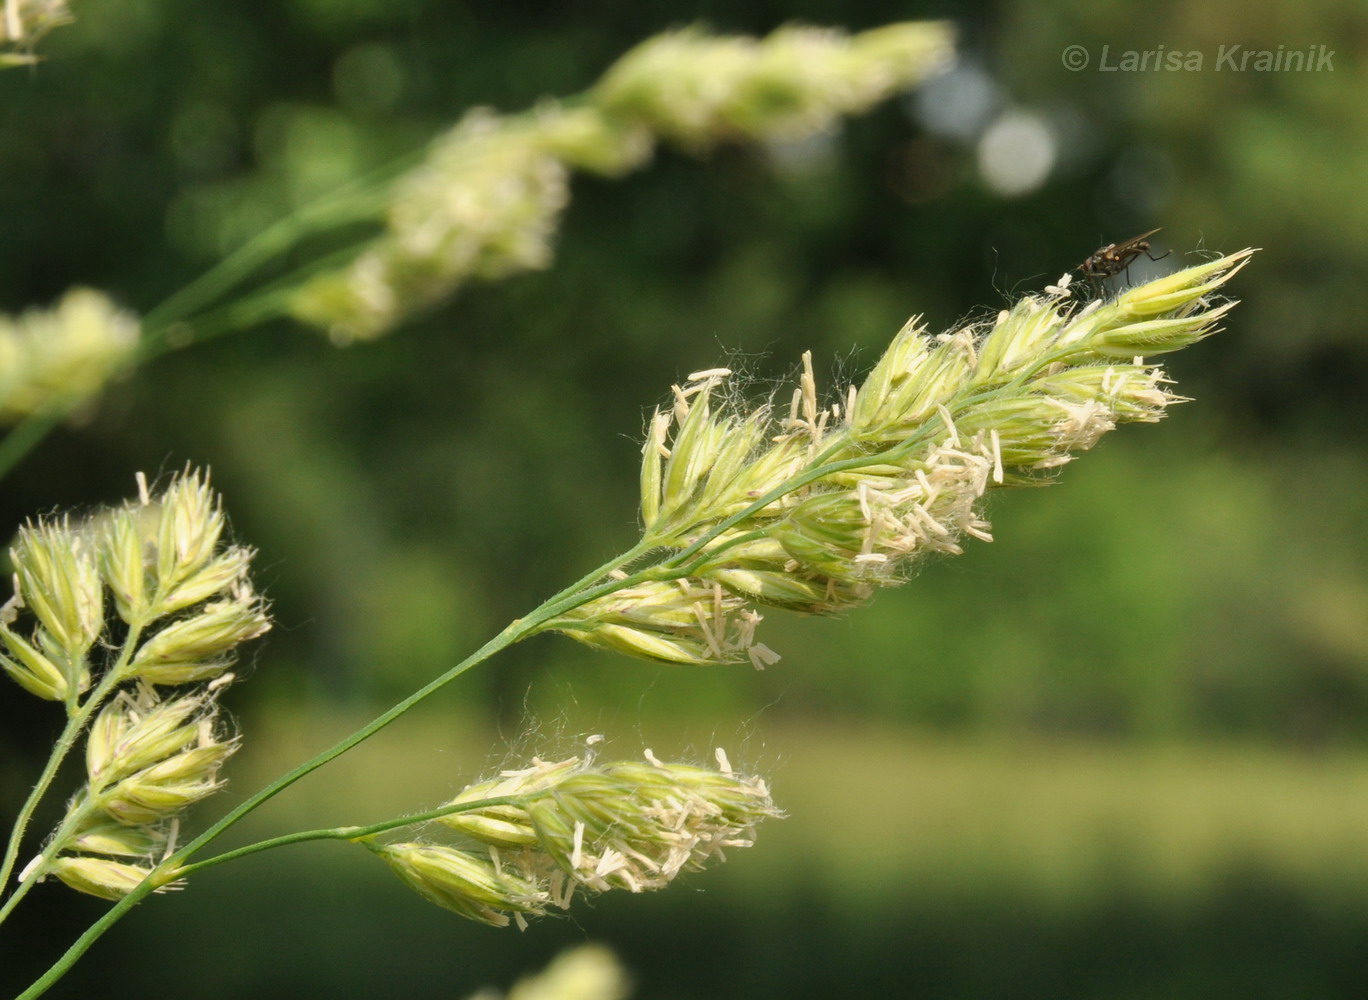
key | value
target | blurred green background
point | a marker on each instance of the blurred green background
(1120, 753)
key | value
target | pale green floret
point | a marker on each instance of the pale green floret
(188, 531)
(653, 644)
(782, 589)
(677, 622)
(59, 581)
(1124, 341)
(99, 876)
(505, 826)
(123, 563)
(695, 450)
(716, 465)
(825, 534)
(932, 379)
(876, 404)
(1018, 339)
(201, 647)
(500, 827)
(33, 671)
(465, 883)
(127, 737)
(219, 575)
(166, 788)
(653, 451)
(1182, 290)
(109, 836)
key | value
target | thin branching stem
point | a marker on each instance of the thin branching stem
(357, 833)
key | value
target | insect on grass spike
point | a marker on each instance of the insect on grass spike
(1112, 259)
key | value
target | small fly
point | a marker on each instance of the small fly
(1112, 259)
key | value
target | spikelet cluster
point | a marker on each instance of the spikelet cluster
(815, 509)
(147, 605)
(487, 199)
(62, 355)
(147, 760)
(558, 826)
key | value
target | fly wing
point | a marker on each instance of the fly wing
(1117, 249)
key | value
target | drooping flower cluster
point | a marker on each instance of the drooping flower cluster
(128, 602)
(554, 827)
(486, 200)
(62, 355)
(815, 510)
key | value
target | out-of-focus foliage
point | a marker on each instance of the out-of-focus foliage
(409, 497)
